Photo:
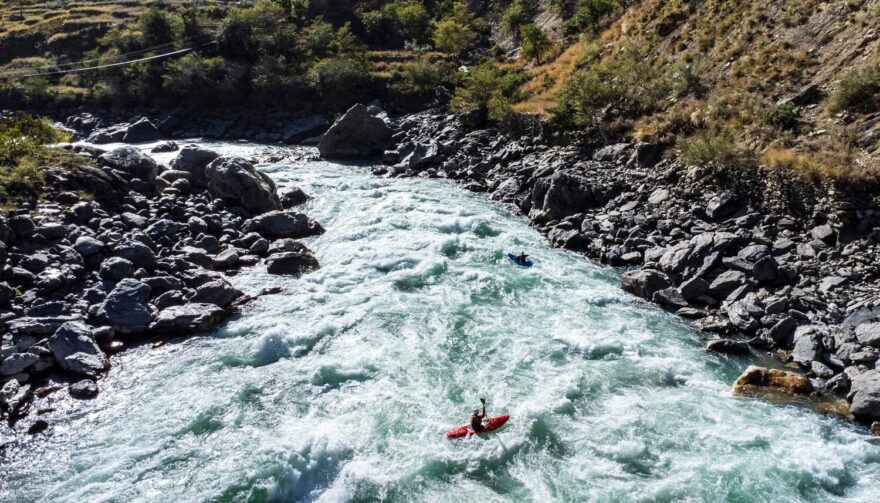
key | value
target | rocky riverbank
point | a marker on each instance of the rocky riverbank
(758, 260)
(120, 250)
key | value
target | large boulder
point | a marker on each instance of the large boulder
(76, 351)
(132, 162)
(283, 224)
(355, 134)
(291, 263)
(125, 308)
(567, 193)
(188, 318)
(763, 380)
(237, 182)
(644, 283)
(865, 393)
(218, 292)
(142, 131)
(193, 160)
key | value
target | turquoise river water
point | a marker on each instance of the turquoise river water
(341, 387)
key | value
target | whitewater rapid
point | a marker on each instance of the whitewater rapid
(341, 387)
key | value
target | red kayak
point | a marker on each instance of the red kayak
(464, 431)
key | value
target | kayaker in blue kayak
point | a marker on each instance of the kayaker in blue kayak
(522, 257)
(477, 418)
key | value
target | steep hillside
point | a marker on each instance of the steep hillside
(794, 83)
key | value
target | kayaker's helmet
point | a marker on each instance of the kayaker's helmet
(476, 411)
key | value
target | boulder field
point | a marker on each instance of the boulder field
(126, 250)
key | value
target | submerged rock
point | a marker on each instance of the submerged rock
(291, 263)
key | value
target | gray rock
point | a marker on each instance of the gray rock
(293, 196)
(83, 389)
(226, 259)
(125, 308)
(188, 318)
(142, 131)
(17, 363)
(722, 205)
(830, 282)
(765, 270)
(87, 246)
(237, 182)
(193, 160)
(865, 392)
(619, 152)
(644, 283)
(116, 269)
(821, 370)
(283, 224)
(693, 288)
(291, 263)
(165, 146)
(868, 334)
(824, 233)
(218, 292)
(132, 162)
(783, 329)
(669, 297)
(754, 253)
(75, 350)
(807, 346)
(356, 134)
(22, 226)
(729, 346)
(725, 283)
(287, 245)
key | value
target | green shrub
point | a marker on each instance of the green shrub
(713, 146)
(534, 42)
(625, 86)
(423, 76)
(23, 141)
(781, 116)
(859, 91)
(453, 37)
(488, 89)
(517, 13)
(159, 27)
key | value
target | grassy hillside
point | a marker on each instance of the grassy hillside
(792, 84)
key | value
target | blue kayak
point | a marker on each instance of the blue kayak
(517, 261)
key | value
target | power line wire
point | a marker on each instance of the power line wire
(109, 65)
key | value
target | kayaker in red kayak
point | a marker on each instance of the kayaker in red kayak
(477, 418)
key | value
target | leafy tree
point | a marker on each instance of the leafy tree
(453, 37)
(413, 21)
(517, 13)
(158, 27)
(534, 42)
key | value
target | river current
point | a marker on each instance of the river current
(341, 387)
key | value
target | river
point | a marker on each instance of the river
(341, 387)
